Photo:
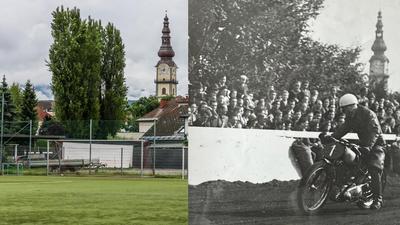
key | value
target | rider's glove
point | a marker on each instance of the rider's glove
(325, 138)
(364, 150)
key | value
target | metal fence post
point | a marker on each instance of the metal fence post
(183, 162)
(2, 134)
(141, 158)
(154, 149)
(90, 147)
(30, 138)
(48, 152)
(133, 155)
(122, 160)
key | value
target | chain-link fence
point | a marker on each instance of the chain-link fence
(93, 148)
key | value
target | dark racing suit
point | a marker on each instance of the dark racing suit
(365, 123)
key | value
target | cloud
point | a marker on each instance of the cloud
(25, 40)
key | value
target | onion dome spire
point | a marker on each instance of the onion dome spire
(166, 52)
(379, 46)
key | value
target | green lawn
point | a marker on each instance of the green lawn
(92, 200)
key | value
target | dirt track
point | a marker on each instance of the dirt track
(222, 202)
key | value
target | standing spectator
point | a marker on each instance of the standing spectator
(303, 108)
(296, 117)
(375, 106)
(271, 99)
(313, 98)
(325, 105)
(362, 98)
(233, 94)
(240, 102)
(291, 106)
(284, 101)
(318, 106)
(224, 115)
(397, 118)
(215, 120)
(260, 106)
(242, 87)
(192, 114)
(334, 93)
(305, 91)
(232, 105)
(260, 124)
(278, 120)
(222, 83)
(295, 92)
(234, 122)
(371, 99)
(314, 123)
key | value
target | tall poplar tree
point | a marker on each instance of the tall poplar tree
(87, 62)
(113, 88)
(75, 65)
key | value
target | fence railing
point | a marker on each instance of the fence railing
(92, 147)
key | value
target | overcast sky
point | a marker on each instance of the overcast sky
(25, 38)
(25, 35)
(352, 23)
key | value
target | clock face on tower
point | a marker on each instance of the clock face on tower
(377, 67)
(164, 69)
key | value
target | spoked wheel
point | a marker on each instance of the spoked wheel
(314, 188)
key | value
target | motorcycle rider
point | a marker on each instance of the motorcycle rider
(364, 122)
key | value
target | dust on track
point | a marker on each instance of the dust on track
(244, 203)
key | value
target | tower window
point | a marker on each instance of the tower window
(163, 91)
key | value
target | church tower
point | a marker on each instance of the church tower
(379, 63)
(166, 68)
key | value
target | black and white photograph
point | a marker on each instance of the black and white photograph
(294, 112)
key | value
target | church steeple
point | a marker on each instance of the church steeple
(166, 82)
(379, 46)
(166, 52)
(379, 63)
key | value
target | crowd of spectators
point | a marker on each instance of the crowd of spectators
(299, 108)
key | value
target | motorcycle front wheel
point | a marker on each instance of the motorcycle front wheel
(314, 187)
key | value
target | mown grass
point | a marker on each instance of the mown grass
(92, 200)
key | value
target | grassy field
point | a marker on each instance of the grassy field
(92, 200)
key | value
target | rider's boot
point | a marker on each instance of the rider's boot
(376, 188)
(377, 204)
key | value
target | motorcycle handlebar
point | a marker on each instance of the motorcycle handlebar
(353, 147)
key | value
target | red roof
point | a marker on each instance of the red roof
(168, 116)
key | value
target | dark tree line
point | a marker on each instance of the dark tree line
(19, 107)
(269, 42)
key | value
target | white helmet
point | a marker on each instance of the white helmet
(347, 99)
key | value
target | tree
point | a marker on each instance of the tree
(16, 96)
(51, 127)
(10, 113)
(113, 89)
(139, 109)
(87, 62)
(268, 42)
(28, 107)
(75, 65)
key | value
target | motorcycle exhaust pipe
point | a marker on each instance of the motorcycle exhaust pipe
(354, 192)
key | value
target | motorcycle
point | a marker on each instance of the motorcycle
(340, 176)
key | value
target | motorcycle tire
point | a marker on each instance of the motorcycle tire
(317, 178)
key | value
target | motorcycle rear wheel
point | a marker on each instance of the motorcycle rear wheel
(314, 187)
